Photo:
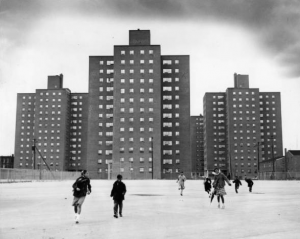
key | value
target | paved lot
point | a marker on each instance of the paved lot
(152, 209)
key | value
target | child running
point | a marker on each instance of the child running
(250, 183)
(181, 179)
(219, 185)
(237, 183)
(81, 188)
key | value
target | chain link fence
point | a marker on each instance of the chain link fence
(279, 176)
(11, 175)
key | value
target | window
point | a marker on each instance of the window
(169, 71)
(122, 52)
(131, 52)
(142, 52)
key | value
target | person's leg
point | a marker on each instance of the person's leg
(250, 189)
(75, 208)
(121, 208)
(79, 206)
(218, 201)
(236, 189)
(115, 209)
(223, 201)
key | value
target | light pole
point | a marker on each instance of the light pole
(230, 165)
(272, 138)
(152, 155)
(257, 144)
(33, 149)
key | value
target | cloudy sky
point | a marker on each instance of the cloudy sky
(260, 38)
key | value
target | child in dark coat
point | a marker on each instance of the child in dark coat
(250, 183)
(81, 188)
(118, 192)
(237, 183)
(207, 185)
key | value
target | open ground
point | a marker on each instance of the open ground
(152, 209)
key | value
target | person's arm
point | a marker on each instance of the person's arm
(124, 192)
(89, 187)
(227, 180)
(75, 187)
(112, 191)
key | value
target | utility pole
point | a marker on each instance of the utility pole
(33, 149)
(257, 144)
(230, 165)
(152, 149)
(272, 138)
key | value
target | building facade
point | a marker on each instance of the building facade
(140, 103)
(241, 128)
(134, 120)
(55, 124)
(7, 161)
(197, 145)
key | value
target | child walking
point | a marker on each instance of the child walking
(250, 183)
(118, 194)
(237, 183)
(181, 179)
(219, 185)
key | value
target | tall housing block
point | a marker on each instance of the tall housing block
(100, 115)
(252, 124)
(137, 111)
(176, 155)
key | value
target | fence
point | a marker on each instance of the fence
(279, 176)
(23, 175)
(164, 176)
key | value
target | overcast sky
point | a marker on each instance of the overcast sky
(260, 38)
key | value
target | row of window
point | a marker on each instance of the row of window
(142, 52)
(141, 129)
(241, 92)
(31, 165)
(131, 110)
(75, 97)
(248, 164)
(131, 62)
(142, 90)
(169, 170)
(47, 93)
(29, 97)
(52, 112)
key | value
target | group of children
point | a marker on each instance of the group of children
(219, 186)
(82, 187)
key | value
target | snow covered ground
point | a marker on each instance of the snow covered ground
(152, 209)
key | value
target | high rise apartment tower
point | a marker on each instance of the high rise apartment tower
(139, 109)
(239, 127)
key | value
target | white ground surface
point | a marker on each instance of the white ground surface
(43, 210)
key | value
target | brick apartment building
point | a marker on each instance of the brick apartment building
(239, 127)
(197, 143)
(134, 121)
(7, 161)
